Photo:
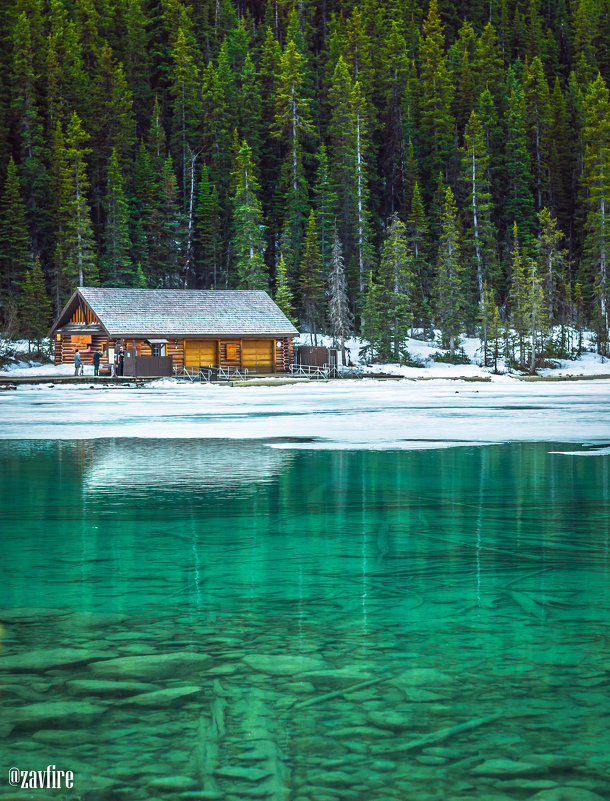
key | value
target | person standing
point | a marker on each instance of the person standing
(121, 360)
(96, 362)
(77, 363)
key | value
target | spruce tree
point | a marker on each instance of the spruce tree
(436, 120)
(207, 230)
(292, 125)
(169, 231)
(519, 205)
(117, 267)
(477, 205)
(450, 300)
(519, 296)
(418, 238)
(596, 182)
(283, 293)
(15, 249)
(311, 284)
(248, 231)
(339, 313)
(552, 267)
(490, 327)
(29, 128)
(396, 279)
(75, 256)
(34, 306)
(186, 106)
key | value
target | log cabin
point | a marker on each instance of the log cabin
(196, 328)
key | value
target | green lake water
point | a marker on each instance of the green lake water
(228, 620)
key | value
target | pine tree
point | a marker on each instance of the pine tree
(339, 313)
(311, 285)
(283, 293)
(248, 232)
(450, 301)
(15, 249)
(116, 263)
(34, 306)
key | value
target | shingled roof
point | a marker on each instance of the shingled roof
(182, 312)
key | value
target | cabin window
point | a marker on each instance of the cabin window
(231, 352)
(158, 349)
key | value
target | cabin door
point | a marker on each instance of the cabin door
(257, 355)
(200, 353)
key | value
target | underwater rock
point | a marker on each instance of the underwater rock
(342, 677)
(62, 736)
(506, 767)
(114, 689)
(164, 698)
(566, 794)
(299, 687)
(31, 614)
(421, 676)
(244, 774)
(41, 715)
(394, 721)
(41, 659)
(282, 664)
(150, 666)
(173, 783)
(418, 695)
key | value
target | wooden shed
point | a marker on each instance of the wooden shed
(197, 328)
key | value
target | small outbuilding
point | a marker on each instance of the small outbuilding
(176, 328)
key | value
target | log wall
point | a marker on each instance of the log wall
(230, 352)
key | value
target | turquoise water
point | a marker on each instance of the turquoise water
(229, 620)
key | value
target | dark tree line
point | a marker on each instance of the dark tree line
(376, 166)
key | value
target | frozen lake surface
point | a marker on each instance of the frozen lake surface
(344, 415)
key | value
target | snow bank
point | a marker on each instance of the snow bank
(338, 415)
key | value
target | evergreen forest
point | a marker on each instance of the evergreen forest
(376, 166)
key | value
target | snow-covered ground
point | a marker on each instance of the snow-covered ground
(422, 351)
(340, 415)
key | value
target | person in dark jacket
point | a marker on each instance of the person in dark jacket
(96, 362)
(121, 360)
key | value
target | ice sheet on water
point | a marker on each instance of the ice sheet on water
(347, 414)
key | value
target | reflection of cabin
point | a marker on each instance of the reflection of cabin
(196, 328)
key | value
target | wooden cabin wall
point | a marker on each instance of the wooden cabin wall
(284, 356)
(230, 351)
(65, 348)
